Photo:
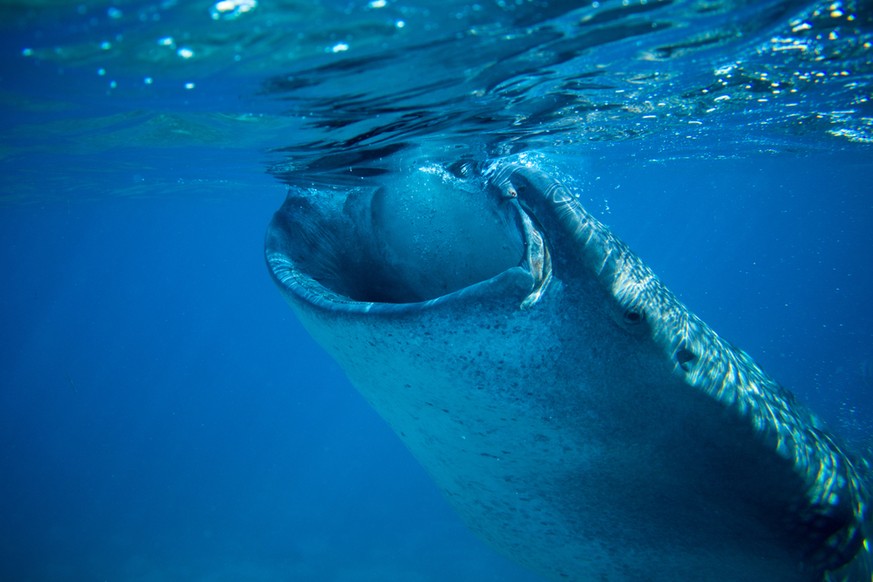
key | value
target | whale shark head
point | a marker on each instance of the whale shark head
(573, 411)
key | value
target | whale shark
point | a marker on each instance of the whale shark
(577, 416)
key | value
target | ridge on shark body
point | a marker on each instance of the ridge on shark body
(572, 410)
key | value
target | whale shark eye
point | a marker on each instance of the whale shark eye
(633, 317)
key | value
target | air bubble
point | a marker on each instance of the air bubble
(231, 9)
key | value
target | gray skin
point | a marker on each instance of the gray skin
(573, 412)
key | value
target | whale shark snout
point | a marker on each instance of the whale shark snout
(573, 411)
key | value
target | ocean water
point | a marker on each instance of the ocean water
(162, 414)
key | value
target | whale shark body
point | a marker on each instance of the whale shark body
(578, 417)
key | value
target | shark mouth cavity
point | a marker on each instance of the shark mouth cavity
(430, 234)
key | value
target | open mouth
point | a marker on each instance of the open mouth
(415, 238)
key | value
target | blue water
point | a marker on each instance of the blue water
(162, 414)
